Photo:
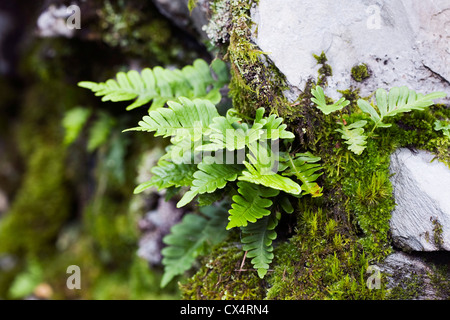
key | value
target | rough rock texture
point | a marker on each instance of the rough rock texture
(402, 42)
(412, 274)
(421, 220)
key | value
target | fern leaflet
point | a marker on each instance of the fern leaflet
(167, 174)
(208, 178)
(189, 239)
(250, 205)
(399, 100)
(261, 170)
(257, 239)
(180, 120)
(162, 85)
(227, 133)
(319, 100)
(305, 168)
(272, 126)
(354, 136)
(443, 126)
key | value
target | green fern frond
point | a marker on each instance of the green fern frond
(319, 100)
(250, 205)
(398, 100)
(188, 118)
(272, 126)
(257, 239)
(354, 136)
(162, 85)
(257, 173)
(443, 126)
(305, 168)
(167, 174)
(227, 132)
(100, 131)
(208, 178)
(73, 122)
(191, 238)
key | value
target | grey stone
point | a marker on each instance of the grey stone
(401, 269)
(178, 12)
(154, 226)
(403, 42)
(421, 219)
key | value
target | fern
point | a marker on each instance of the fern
(162, 85)
(442, 126)
(191, 238)
(188, 118)
(272, 126)
(209, 178)
(398, 100)
(250, 205)
(257, 239)
(319, 100)
(260, 170)
(354, 136)
(73, 122)
(227, 132)
(167, 174)
(304, 166)
(100, 131)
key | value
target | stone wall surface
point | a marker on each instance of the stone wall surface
(402, 42)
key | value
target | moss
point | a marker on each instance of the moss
(139, 30)
(437, 232)
(408, 288)
(254, 81)
(219, 278)
(360, 72)
(320, 262)
(325, 70)
(440, 281)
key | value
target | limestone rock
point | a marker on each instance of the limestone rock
(421, 219)
(413, 275)
(402, 42)
(155, 225)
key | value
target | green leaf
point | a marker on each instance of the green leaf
(208, 178)
(100, 131)
(24, 283)
(73, 122)
(162, 85)
(192, 4)
(192, 237)
(227, 133)
(257, 239)
(398, 100)
(272, 126)
(250, 205)
(186, 119)
(167, 174)
(305, 168)
(320, 101)
(443, 126)
(268, 178)
(354, 136)
(286, 205)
